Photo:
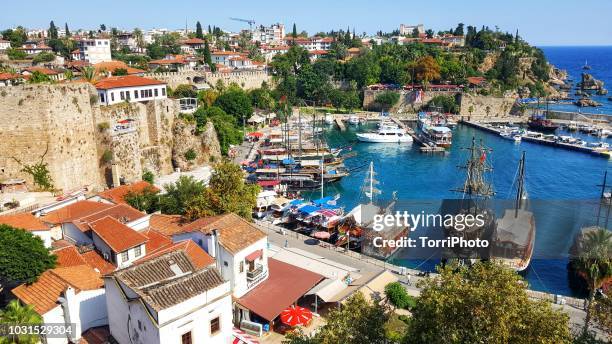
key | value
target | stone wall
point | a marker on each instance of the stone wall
(483, 106)
(57, 118)
(406, 103)
(82, 138)
(247, 79)
(205, 145)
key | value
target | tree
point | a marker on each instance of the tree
(16, 36)
(398, 296)
(355, 321)
(15, 54)
(68, 34)
(226, 193)
(184, 91)
(387, 99)
(52, 31)
(484, 303)
(199, 33)
(38, 78)
(179, 194)
(427, 69)
(459, 30)
(139, 38)
(120, 72)
(148, 177)
(43, 57)
(102, 27)
(146, 200)
(235, 102)
(594, 263)
(601, 312)
(294, 32)
(337, 98)
(89, 74)
(16, 314)
(23, 256)
(207, 56)
(471, 109)
(225, 125)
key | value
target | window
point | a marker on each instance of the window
(241, 267)
(124, 256)
(215, 326)
(137, 251)
(139, 325)
(142, 93)
(112, 96)
(186, 338)
(102, 97)
(127, 95)
(156, 92)
(122, 94)
(225, 263)
(163, 91)
(136, 94)
(150, 92)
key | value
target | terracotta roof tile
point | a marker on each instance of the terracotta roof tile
(117, 195)
(25, 221)
(193, 41)
(126, 81)
(121, 212)
(95, 260)
(116, 235)
(235, 233)
(74, 211)
(43, 293)
(69, 256)
(198, 257)
(42, 70)
(112, 66)
(156, 240)
(166, 224)
(10, 76)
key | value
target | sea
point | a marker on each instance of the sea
(572, 59)
(563, 186)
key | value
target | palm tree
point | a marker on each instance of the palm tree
(594, 263)
(139, 38)
(89, 74)
(15, 313)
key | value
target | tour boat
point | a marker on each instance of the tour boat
(353, 120)
(385, 135)
(514, 235)
(434, 132)
(540, 123)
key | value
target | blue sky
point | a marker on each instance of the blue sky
(541, 22)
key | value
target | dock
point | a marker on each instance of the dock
(569, 146)
(425, 147)
(339, 123)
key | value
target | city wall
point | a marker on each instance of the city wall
(247, 79)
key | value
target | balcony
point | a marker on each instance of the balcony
(256, 275)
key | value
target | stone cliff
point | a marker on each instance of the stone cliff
(85, 140)
(205, 145)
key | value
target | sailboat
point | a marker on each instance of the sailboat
(586, 65)
(475, 192)
(514, 237)
(356, 227)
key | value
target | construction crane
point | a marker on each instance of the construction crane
(250, 21)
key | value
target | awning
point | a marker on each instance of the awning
(255, 134)
(327, 289)
(267, 183)
(252, 256)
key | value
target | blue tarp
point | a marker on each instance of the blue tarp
(308, 209)
(296, 202)
(323, 200)
(288, 161)
(528, 100)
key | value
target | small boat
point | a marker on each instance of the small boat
(353, 120)
(329, 118)
(385, 135)
(586, 66)
(572, 126)
(599, 145)
(517, 138)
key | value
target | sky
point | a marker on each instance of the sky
(540, 22)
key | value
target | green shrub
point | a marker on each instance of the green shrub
(398, 296)
(107, 156)
(103, 126)
(148, 176)
(190, 155)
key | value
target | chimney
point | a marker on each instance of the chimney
(215, 242)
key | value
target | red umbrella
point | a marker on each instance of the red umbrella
(255, 134)
(295, 316)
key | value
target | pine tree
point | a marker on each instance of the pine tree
(52, 30)
(67, 31)
(207, 57)
(347, 36)
(199, 33)
(294, 31)
(209, 30)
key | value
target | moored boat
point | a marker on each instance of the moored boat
(385, 135)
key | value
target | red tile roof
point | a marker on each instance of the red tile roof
(166, 224)
(112, 66)
(193, 41)
(25, 221)
(74, 211)
(69, 256)
(43, 293)
(10, 76)
(272, 296)
(117, 195)
(156, 240)
(126, 81)
(96, 261)
(116, 235)
(121, 212)
(198, 257)
(42, 70)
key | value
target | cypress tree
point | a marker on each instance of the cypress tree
(67, 31)
(52, 30)
(199, 33)
(294, 31)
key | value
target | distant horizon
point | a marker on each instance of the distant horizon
(559, 27)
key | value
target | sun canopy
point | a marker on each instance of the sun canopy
(327, 289)
(308, 209)
(267, 183)
(256, 134)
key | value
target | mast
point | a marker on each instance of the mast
(322, 183)
(371, 181)
(475, 185)
(521, 185)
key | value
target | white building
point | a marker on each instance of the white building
(94, 50)
(130, 88)
(67, 295)
(223, 57)
(269, 34)
(239, 248)
(168, 300)
(28, 222)
(190, 46)
(312, 43)
(408, 30)
(4, 44)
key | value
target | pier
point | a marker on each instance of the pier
(339, 123)
(569, 146)
(425, 148)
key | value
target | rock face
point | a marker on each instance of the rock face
(588, 82)
(205, 145)
(485, 106)
(586, 102)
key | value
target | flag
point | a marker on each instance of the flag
(483, 157)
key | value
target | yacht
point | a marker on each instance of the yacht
(385, 135)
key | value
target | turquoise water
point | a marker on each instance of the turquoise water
(572, 59)
(559, 182)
